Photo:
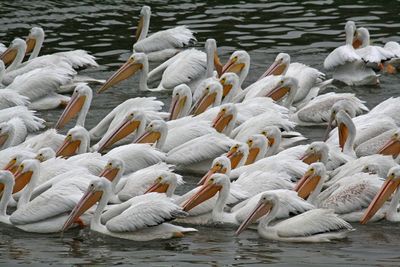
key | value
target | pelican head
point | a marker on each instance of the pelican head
(113, 170)
(388, 188)
(212, 56)
(144, 20)
(155, 133)
(181, 102)
(95, 191)
(345, 105)
(361, 38)
(316, 152)
(392, 147)
(77, 141)
(258, 144)
(28, 170)
(225, 121)
(165, 183)
(350, 29)
(212, 186)
(239, 63)
(285, 87)
(279, 66)
(274, 137)
(221, 164)
(237, 154)
(17, 46)
(230, 85)
(80, 102)
(36, 35)
(211, 96)
(264, 207)
(347, 132)
(134, 121)
(136, 62)
(315, 173)
(17, 160)
(45, 153)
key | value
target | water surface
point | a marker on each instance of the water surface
(308, 30)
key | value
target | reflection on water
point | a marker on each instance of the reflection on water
(307, 30)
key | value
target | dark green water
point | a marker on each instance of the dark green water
(307, 30)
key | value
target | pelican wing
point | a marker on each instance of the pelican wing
(289, 204)
(60, 199)
(393, 47)
(355, 196)
(32, 122)
(311, 222)
(10, 98)
(40, 82)
(188, 67)
(177, 37)
(340, 56)
(136, 156)
(155, 210)
(78, 58)
(374, 54)
(49, 138)
(202, 148)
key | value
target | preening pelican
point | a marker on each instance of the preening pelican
(141, 219)
(162, 44)
(347, 65)
(390, 186)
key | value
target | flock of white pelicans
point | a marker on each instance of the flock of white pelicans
(119, 177)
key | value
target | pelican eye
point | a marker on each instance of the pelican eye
(110, 164)
(395, 135)
(334, 111)
(311, 148)
(312, 170)
(281, 82)
(207, 88)
(264, 133)
(177, 94)
(69, 135)
(223, 110)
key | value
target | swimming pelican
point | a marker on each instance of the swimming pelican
(316, 225)
(391, 185)
(310, 80)
(321, 109)
(130, 221)
(372, 55)
(220, 183)
(348, 198)
(347, 65)
(162, 44)
(238, 63)
(77, 59)
(47, 212)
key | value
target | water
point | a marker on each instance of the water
(307, 30)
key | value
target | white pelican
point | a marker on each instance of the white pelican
(189, 67)
(196, 155)
(348, 67)
(317, 225)
(32, 122)
(387, 143)
(211, 96)
(119, 113)
(141, 219)
(47, 212)
(231, 86)
(321, 109)
(136, 156)
(79, 103)
(6, 186)
(391, 185)
(310, 81)
(258, 146)
(220, 183)
(181, 102)
(372, 55)
(331, 157)
(162, 44)
(139, 182)
(348, 198)
(77, 59)
(77, 141)
(239, 63)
